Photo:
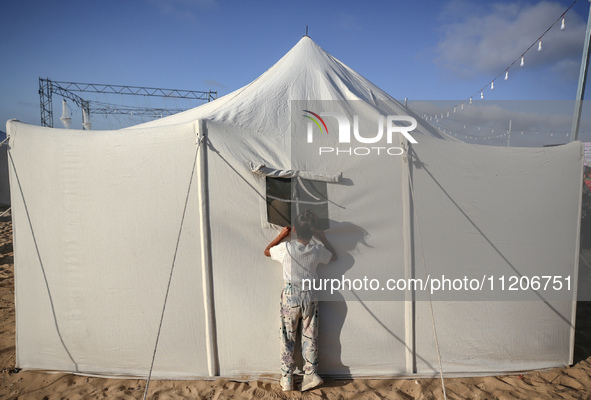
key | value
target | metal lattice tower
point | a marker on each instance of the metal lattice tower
(46, 103)
(66, 89)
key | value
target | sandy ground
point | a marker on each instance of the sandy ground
(560, 383)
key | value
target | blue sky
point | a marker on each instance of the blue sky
(445, 49)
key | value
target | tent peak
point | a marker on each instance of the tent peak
(305, 72)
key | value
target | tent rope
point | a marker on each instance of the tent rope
(580, 255)
(172, 267)
(425, 269)
(4, 141)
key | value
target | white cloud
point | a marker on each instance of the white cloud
(544, 116)
(488, 40)
(524, 114)
(568, 68)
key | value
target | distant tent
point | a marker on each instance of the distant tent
(100, 217)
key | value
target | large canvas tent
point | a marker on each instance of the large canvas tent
(107, 223)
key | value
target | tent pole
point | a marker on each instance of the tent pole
(573, 316)
(409, 317)
(574, 134)
(207, 278)
(509, 134)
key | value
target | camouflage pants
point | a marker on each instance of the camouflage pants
(296, 306)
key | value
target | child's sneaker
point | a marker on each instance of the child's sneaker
(311, 381)
(287, 383)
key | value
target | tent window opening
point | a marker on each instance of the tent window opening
(287, 197)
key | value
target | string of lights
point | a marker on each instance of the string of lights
(505, 73)
(469, 130)
(505, 134)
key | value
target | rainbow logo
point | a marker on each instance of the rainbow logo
(316, 121)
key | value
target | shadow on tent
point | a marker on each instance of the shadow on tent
(417, 163)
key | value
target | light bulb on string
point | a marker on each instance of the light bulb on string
(506, 74)
(481, 95)
(522, 62)
(462, 106)
(540, 45)
(563, 26)
(492, 85)
(470, 100)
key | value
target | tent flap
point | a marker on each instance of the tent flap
(262, 169)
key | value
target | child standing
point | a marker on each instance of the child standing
(300, 258)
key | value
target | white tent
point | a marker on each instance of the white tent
(102, 217)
